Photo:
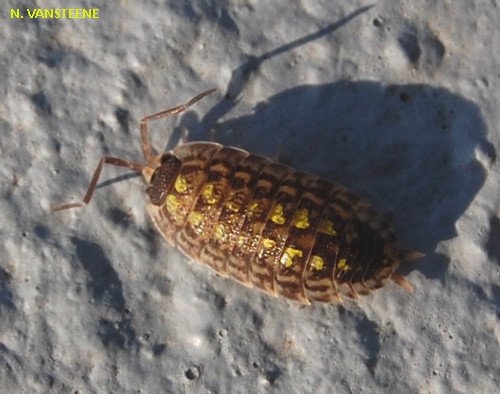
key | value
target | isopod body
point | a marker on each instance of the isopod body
(265, 224)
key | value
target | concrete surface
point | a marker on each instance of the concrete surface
(397, 100)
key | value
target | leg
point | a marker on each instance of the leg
(93, 183)
(146, 147)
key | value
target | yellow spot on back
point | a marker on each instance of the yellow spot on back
(277, 216)
(252, 208)
(219, 231)
(343, 266)
(317, 263)
(241, 240)
(172, 204)
(326, 227)
(288, 255)
(301, 219)
(233, 207)
(231, 204)
(208, 194)
(181, 184)
(268, 243)
(195, 218)
(350, 237)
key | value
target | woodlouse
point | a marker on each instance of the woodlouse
(265, 224)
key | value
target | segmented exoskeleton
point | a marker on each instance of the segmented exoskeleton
(265, 224)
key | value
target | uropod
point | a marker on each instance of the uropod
(283, 231)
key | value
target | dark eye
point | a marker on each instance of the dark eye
(163, 178)
(169, 158)
(154, 176)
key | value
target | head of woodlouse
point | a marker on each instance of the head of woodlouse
(163, 178)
